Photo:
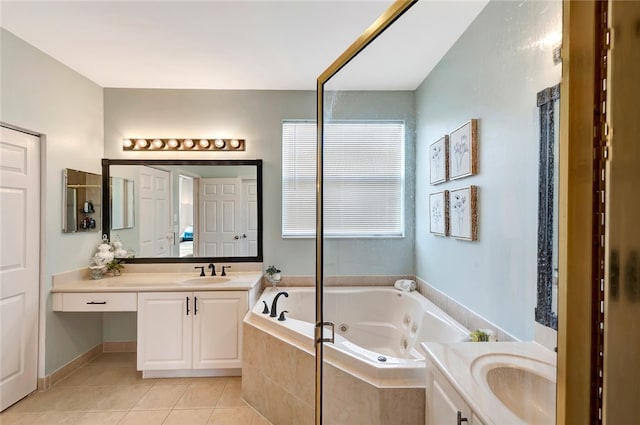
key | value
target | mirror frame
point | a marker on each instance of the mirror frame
(106, 212)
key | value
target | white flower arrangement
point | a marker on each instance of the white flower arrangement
(109, 256)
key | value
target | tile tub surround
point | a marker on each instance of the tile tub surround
(278, 381)
(109, 391)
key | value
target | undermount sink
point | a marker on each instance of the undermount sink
(524, 385)
(204, 280)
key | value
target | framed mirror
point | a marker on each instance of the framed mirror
(81, 198)
(172, 211)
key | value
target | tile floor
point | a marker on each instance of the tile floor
(109, 391)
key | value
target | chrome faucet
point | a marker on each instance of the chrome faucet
(274, 312)
(213, 269)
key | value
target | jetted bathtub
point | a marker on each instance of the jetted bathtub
(377, 329)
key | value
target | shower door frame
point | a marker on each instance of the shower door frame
(385, 20)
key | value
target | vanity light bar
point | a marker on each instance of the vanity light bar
(183, 144)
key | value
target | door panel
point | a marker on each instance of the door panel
(19, 264)
(217, 329)
(164, 330)
(221, 201)
(155, 214)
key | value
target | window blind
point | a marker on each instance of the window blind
(363, 179)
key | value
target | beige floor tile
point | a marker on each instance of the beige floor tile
(161, 397)
(188, 416)
(201, 395)
(232, 416)
(144, 417)
(101, 418)
(9, 418)
(51, 400)
(231, 396)
(186, 381)
(258, 419)
(118, 397)
(115, 359)
(58, 418)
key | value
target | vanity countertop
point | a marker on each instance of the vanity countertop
(147, 282)
(463, 364)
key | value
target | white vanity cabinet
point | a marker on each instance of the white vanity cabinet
(190, 330)
(444, 405)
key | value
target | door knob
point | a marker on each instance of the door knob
(236, 237)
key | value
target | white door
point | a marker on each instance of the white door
(155, 213)
(19, 264)
(250, 217)
(220, 218)
(217, 329)
(164, 330)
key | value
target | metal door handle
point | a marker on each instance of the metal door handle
(97, 302)
(461, 419)
(244, 236)
(195, 305)
(187, 306)
(236, 237)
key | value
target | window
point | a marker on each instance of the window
(363, 180)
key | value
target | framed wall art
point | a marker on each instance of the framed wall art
(463, 214)
(438, 213)
(438, 160)
(463, 155)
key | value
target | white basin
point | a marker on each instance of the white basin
(526, 386)
(204, 280)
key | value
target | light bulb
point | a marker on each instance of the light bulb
(235, 143)
(173, 143)
(219, 143)
(188, 143)
(158, 144)
(204, 143)
(142, 143)
(127, 143)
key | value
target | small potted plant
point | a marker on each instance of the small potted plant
(273, 274)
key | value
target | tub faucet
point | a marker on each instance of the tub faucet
(274, 312)
(213, 269)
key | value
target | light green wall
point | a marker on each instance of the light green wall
(256, 116)
(41, 95)
(492, 73)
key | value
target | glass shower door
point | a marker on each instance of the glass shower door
(439, 69)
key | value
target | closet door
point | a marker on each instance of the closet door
(19, 264)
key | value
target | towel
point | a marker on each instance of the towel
(405, 285)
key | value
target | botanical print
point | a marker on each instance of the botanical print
(463, 157)
(459, 207)
(460, 152)
(463, 214)
(438, 213)
(438, 161)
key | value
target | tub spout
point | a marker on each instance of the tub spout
(274, 312)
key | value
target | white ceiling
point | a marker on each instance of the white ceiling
(238, 44)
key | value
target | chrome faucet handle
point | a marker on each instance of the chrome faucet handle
(224, 270)
(213, 269)
(201, 269)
